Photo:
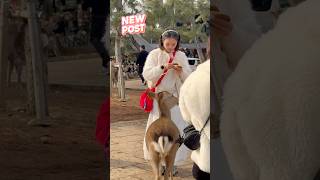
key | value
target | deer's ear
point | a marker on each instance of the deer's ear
(151, 94)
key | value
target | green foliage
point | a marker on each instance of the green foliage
(162, 16)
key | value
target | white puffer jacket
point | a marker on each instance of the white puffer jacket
(270, 121)
(194, 105)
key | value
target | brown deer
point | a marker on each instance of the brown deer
(162, 136)
(114, 73)
(16, 56)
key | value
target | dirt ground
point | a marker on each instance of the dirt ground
(129, 110)
(67, 150)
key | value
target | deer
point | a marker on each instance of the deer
(114, 73)
(162, 136)
(16, 56)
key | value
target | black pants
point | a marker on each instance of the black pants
(107, 158)
(198, 174)
(140, 71)
(98, 28)
(317, 176)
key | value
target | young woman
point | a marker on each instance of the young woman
(178, 71)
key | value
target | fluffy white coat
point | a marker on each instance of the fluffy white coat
(170, 83)
(270, 122)
(194, 104)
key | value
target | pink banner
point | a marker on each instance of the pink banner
(134, 24)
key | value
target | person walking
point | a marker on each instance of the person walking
(100, 12)
(141, 59)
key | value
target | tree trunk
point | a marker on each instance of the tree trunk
(3, 52)
(121, 83)
(107, 45)
(37, 64)
(48, 7)
(45, 54)
(199, 50)
(31, 107)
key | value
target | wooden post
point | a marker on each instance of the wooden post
(37, 64)
(3, 52)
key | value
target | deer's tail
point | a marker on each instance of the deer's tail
(163, 145)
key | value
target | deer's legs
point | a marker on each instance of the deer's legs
(155, 163)
(10, 72)
(170, 162)
(19, 72)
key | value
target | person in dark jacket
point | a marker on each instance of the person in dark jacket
(100, 13)
(141, 59)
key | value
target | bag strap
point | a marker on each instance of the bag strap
(165, 71)
(205, 123)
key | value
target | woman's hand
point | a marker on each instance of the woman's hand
(222, 25)
(177, 68)
(169, 66)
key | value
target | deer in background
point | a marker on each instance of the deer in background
(162, 136)
(18, 45)
(16, 56)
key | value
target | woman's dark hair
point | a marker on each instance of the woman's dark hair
(169, 34)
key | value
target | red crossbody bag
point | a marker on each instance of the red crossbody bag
(146, 102)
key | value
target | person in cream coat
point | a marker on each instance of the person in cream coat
(194, 104)
(156, 63)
